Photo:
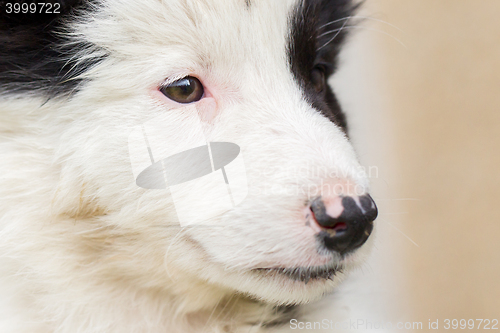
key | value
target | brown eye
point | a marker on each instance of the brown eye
(318, 79)
(186, 90)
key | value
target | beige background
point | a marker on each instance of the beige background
(424, 101)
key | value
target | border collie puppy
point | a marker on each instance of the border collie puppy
(89, 243)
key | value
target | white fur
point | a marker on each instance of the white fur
(83, 249)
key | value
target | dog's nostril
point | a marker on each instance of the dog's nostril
(324, 219)
(346, 221)
(341, 226)
(321, 216)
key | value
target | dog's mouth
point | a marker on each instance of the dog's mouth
(304, 274)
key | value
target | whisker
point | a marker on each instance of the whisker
(401, 199)
(358, 27)
(335, 21)
(212, 313)
(229, 310)
(334, 30)
(177, 237)
(341, 28)
(398, 213)
(361, 17)
(411, 240)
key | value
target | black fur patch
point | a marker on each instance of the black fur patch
(285, 314)
(34, 56)
(316, 36)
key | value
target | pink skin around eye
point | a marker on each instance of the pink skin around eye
(207, 109)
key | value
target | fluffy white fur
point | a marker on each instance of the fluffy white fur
(84, 249)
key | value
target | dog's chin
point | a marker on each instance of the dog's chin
(313, 274)
(288, 286)
(283, 284)
(298, 285)
(294, 286)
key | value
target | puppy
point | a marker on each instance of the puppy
(97, 235)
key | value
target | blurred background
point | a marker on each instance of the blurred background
(420, 81)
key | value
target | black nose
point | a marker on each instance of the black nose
(349, 230)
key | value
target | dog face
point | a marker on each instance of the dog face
(256, 73)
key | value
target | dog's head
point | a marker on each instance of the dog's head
(255, 74)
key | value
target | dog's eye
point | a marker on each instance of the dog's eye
(318, 78)
(186, 90)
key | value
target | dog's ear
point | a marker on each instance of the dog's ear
(33, 56)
